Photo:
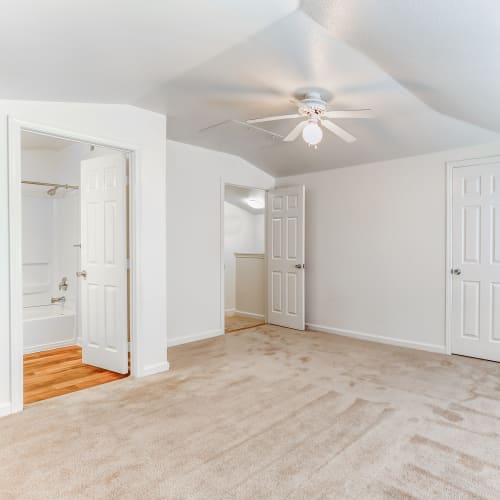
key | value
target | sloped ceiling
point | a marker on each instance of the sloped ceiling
(258, 77)
(446, 52)
(117, 51)
(428, 69)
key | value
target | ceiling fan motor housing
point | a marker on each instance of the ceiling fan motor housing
(312, 105)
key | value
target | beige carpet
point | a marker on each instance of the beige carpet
(269, 413)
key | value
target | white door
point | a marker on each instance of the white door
(103, 275)
(476, 261)
(285, 251)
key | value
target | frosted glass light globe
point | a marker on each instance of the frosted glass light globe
(312, 133)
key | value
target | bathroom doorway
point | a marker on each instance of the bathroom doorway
(75, 272)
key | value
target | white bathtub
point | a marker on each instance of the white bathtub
(48, 327)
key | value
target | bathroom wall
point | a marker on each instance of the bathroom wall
(38, 233)
(50, 228)
(66, 255)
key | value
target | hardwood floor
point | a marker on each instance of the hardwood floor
(60, 371)
(235, 323)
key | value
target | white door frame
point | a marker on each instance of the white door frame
(223, 183)
(449, 236)
(15, 129)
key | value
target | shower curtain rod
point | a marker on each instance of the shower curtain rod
(50, 184)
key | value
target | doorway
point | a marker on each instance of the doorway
(473, 270)
(244, 258)
(75, 276)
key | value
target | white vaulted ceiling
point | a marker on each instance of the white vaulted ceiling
(117, 51)
(258, 77)
(428, 69)
(446, 52)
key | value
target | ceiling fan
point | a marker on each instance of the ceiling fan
(315, 111)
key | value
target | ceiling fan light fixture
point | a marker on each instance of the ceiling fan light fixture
(312, 133)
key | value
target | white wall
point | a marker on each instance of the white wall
(250, 284)
(243, 233)
(195, 178)
(128, 125)
(375, 247)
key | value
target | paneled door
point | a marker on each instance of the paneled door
(476, 261)
(103, 274)
(285, 257)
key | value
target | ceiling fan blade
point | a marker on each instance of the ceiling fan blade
(339, 131)
(296, 131)
(350, 113)
(272, 118)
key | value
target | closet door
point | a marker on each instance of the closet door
(103, 277)
(476, 260)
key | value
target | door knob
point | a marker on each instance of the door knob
(300, 266)
(82, 274)
(456, 272)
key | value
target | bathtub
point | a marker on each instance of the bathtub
(48, 327)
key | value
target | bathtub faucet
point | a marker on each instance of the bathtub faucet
(63, 284)
(56, 300)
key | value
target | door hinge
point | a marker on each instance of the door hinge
(128, 263)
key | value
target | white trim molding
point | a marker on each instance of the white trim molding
(373, 337)
(5, 409)
(156, 368)
(246, 314)
(52, 345)
(194, 337)
(249, 255)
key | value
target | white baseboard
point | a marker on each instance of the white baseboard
(249, 314)
(164, 366)
(194, 337)
(229, 311)
(5, 409)
(48, 347)
(378, 338)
